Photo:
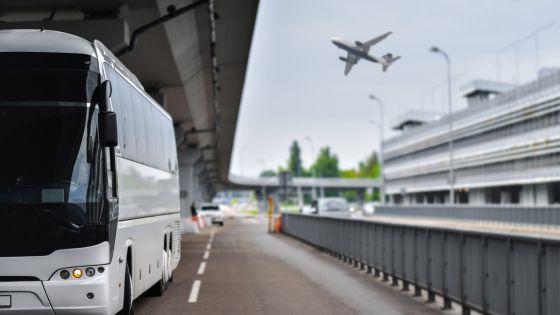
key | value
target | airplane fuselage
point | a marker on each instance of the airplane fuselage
(352, 49)
(360, 50)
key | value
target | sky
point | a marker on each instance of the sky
(295, 86)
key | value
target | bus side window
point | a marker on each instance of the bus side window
(137, 108)
(116, 101)
(149, 129)
(127, 120)
(158, 138)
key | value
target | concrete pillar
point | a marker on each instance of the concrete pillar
(300, 197)
(313, 193)
(187, 183)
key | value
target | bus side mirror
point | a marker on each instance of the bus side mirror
(108, 137)
(104, 93)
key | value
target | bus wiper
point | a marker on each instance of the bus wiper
(73, 227)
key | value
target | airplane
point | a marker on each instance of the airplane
(360, 50)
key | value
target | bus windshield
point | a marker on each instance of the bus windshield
(49, 193)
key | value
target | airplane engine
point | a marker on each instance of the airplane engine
(343, 59)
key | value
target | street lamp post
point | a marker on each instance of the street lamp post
(263, 188)
(450, 119)
(380, 125)
(312, 145)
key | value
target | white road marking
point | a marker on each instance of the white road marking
(206, 255)
(193, 297)
(208, 246)
(201, 268)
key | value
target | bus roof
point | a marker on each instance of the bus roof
(34, 40)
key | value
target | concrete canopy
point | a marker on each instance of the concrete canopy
(172, 60)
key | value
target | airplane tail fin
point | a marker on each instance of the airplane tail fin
(389, 59)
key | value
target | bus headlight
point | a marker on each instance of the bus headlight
(64, 274)
(77, 273)
(90, 272)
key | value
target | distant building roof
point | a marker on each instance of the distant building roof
(485, 86)
(414, 118)
(548, 71)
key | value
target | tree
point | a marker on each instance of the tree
(294, 163)
(326, 164)
(268, 173)
(369, 168)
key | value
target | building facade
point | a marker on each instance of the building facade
(506, 149)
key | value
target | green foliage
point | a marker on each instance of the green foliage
(350, 195)
(268, 173)
(326, 164)
(351, 173)
(294, 163)
(370, 167)
(372, 197)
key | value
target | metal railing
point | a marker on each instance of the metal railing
(499, 214)
(492, 273)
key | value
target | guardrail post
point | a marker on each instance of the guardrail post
(403, 262)
(446, 299)
(431, 294)
(417, 288)
(465, 309)
(394, 277)
(541, 252)
(375, 253)
(383, 255)
(509, 275)
(485, 275)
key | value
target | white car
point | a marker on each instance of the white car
(212, 213)
(331, 206)
(369, 207)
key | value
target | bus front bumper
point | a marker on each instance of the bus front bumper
(72, 297)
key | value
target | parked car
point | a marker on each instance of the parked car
(212, 213)
(331, 206)
(369, 207)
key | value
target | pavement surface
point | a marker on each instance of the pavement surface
(242, 269)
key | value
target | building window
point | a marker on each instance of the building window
(492, 196)
(462, 196)
(554, 193)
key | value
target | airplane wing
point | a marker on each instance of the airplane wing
(376, 40)
(350, 61)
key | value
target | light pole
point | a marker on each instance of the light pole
(263, 188)
(450, 119)
(380, 126)
(312, 145)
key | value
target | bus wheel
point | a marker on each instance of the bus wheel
(128, 301)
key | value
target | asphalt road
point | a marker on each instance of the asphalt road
(242, 269)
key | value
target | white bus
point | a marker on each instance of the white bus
(89, 197)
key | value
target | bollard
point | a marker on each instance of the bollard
(417, 291)
(405, 286)
(385, 277)
(431, 297)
